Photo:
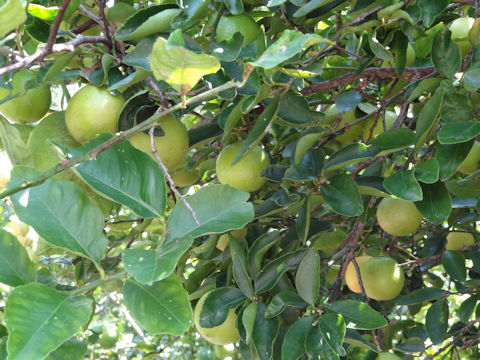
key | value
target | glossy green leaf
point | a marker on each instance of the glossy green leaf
(281, 300)
(248, 320)
(436, 204)
(12, 15)
(240, 268)
(234, 6)
(217, 305)
(458, 132)
(125, 174)
(428, 117)
(16, 149)
(302, 226)
(39, 319)
(473, 76)
(371, 185)
(258, 250)
(271, 273)
(161, 308)
(465, 188)
(358, 313)
(423, 86)
(264, 333)
(294, 342)
(61, 213)
(69, 350)
(451, 156)
(342, 195)
(350, 154)
(420, 295)
(446, 54)
(332, 327)
(454, 264)
(393, 140)
(233, 212)
(59, 65)
(436, 321)
(294, 110)
(290, 43)
(307, 279)
(16, 268)
(354, 338)
(427, 171)
(431, 9)
(404, 185)
(305, 9)
(309, 168)
(230, 49)
(456, 106)
(379, 50)
(139, 56)
(411, 345)
(466, 308)
(317, 347)
(348, 100)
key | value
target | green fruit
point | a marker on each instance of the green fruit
(223, 334)
(31, 106)
(329, 241)
(382, 278)
(229, 25)
(246, 173)
(387, 356)
(460, 28)
(457, 240)
(351, 277)
(108, 338)
(185, 177)
(224, 239)
(91, 111)
(171, 147)
(470, 164)
(390, 118)
(398, 217)
(353, 132)
(474, 34)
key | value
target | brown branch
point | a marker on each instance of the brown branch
(364, 15)
(56, 24)
(84, 26)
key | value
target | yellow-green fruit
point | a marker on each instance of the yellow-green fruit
(171, 147)
(457, 240)
(460, 28)
(398, 217)
(243, 23)
(223, 240)
(31, 106)
(185, 177)
(352, 133)
(470, 164)
(52, 130)
(329, 241)
(381, 277)
(246, 173)
(390, 118)
(351, 277)
(223, 334)
(91, 111)
(387, 356)
(108, 338)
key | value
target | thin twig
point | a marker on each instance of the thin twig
(56, 24)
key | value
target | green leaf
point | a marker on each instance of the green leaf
(350, 154)
(393, 140)
(240, 269)
(12, 15)
(294, 110)
(379, 50)
(348, 100)
(61, 213)
(458, 132)
(294, 342)
(15, 147)
(180, 67)
(16, 268)
(411, 345)
(420, 295)
(436, 204)
(332, 327)
(230, 49)
(342, 195)
(290, 43)
(281, 300)
(69, 350)
(59, 64)
(139, 56)
(456, 106)
(355, 339)
(234, 6)
(42, 12)
(305, 9)
(446, 54)
(428, 117)
(317, 347)
(404, 185)
(233, 212)
(39, 319)
(431, 9)
(358, 313)
(258, 250)
(271, 273)
(454, 264)
(427, 171)
(264, 333)
(466, 308)
(248, 320)
(307, 279)
(125, 174)
(473, 76)
(451, 156)
(302, 226)
(162, 308)
(436, 321)
(217, 305)
(424, 86)
(465, 188)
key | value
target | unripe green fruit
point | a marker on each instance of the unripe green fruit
(171, 147)
(185, 177)
(398, 217)
(460, 28)
(351, 277)
(382, 278)
(457, 240)
(470, 163)
(91, 111)
(223, 334)
(230, 24)
(246, 173)
(31, 106)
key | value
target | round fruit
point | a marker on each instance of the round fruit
(108, 338)
(387, 356)
(351, 277)
(229, 25)
(171, 147)
(460, 28)
(382, 278)
(329, 241)
(352, 133)
(390, 118)
(457, 240)
(246, 173)
(225, 333)
(91, 111)
(224, 239)
(398, 217)
(470, 164)
(29, 107)
(185, 177)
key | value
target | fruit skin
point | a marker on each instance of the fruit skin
(398, 217)
(108, 338)
(470, 163)
(353, 132)
(387, 356)
(185, 177)
(460, 28)
(229, 25)
(29, 107)
(171, 147)
(224, 239)
(381, 278)
(223, 334)
(246, 173)
(91, 111)
(457, 240)
(390, 118)
(351, 277)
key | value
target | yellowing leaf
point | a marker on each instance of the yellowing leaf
(12, 14)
